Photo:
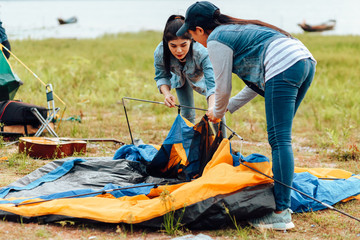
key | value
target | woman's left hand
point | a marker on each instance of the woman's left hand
(210, 112)
(210, 115)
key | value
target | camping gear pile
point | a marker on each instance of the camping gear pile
(16, 117)
(192, 174)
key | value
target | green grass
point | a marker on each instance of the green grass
(93, 75)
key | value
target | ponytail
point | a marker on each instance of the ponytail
(221, 19)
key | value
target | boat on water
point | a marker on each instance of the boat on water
(326, 26)
(67, 21)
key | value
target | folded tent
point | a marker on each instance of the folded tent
(224, 188)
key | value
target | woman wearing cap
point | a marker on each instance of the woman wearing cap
(272, 64)
(183, 64)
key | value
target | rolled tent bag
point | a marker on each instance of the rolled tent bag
(15, 113)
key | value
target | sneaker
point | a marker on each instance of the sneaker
(276, 221)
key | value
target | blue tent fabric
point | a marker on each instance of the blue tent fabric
(180, 132)
(53, 196)
(252, 158)
(256, 158)
(326, 191)
(136, 153)
(118, 193)
(128, 192)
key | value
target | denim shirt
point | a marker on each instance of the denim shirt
(249, 43)
(197, 70)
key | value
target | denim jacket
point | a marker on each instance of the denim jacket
(249, 43)
(197, 70)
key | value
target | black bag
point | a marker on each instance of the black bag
(19, 113)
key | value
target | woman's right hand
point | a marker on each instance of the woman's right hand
(169, 100)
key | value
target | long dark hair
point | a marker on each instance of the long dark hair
(173, 24)
(222, 19)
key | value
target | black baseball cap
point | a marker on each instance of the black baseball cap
(197, 15)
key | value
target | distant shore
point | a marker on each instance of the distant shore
(38, 19)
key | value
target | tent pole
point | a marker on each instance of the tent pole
(127, 120)
(302, 193)
(154, 185)
(87, 194)
(242, 162)
(179, 106)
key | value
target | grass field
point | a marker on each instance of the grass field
(92, 77)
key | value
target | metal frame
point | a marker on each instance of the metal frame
(52, 111)
(242, 162)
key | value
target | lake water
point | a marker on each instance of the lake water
(38, 19)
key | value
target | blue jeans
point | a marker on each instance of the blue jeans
(185, 95)
(283, 95)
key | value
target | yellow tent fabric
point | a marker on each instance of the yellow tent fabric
(220, 178)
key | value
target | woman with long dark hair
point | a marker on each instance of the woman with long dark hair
(183, 64)
(271, 63)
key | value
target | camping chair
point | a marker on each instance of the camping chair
(52, 111)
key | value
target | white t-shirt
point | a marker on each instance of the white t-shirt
(281, 54)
